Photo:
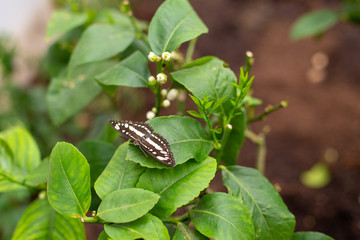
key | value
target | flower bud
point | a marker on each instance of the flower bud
(152, 57)
(152, 80)
(163, 92)
(150, 115)
(166, 103)
(154, 110)
(172, 95)
(166, 56)
(161, 78)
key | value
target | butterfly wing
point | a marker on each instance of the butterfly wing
(142, 134)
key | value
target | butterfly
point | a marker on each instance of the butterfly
(143, 135)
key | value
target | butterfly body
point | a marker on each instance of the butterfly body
(143, 135)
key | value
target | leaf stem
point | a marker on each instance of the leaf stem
(190, 50)
(224, 139)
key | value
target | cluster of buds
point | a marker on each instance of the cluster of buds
(166, 56)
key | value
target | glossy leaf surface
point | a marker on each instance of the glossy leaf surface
(208, 77)
(40, 221)
(126, 205)
(148, 227)
(272, 219)
(222, 216)
(184, 232)
(179, 185)
(118, 174)
(68, 187)
(174, 22)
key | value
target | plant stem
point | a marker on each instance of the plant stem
(190, 50)
(259, 140)
(224, 139)
(267, 111)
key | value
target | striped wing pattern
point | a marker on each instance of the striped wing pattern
(143, 135)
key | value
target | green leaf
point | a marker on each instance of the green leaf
(68, 94)
(314, 23)
(310, 236)
(179, 185)
(252, 102)
(103, 236)
(40, 221)
(174, 22)
(195, 114)
(25, 150)
(208, 77)
(97, 153)
(39, 174)
(6, 157)
(131, 72)
(68, 187)
(102, 41)
(235, 140)
(119, 173)
(126, 205)
(187, 139)
(148, 227)
(317, 177)
(62, 21)
(222, 216)
(184, 232)
(272, 219)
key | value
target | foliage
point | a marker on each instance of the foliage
(130, 194)
(316, 23)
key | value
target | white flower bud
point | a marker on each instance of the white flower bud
(249, 54)
(152, 57)
(152, 80)
(166, 103)
(166, 56)
(172, 95)
(161, 78)
(150, 115)
(163, 92)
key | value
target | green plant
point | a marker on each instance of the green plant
(131, 194)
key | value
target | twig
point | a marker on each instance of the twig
(268, 110)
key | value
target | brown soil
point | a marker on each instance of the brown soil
(320, 115)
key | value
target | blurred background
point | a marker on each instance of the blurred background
(313, 145)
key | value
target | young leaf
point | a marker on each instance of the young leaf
(314, 23)
(40, 221)
(69, 181)
(103, 236)
(23, 146)
(271, 217)
(222, 216)
(185, 232)
(67, 95)
(195, 114)
(131, 72)
(98, 153)
(235, 140)
(102, 41)
(310, 236)
(62, 21)
(186, 136)
(174, 22)
(208, 78)
(179, 185)
(147, 227)
(126, 205)
(118, 174)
